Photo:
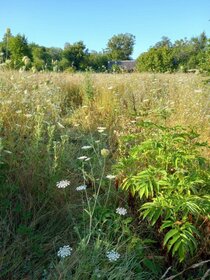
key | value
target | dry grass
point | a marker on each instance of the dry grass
(45, 118)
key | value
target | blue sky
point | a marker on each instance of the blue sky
(55, 22)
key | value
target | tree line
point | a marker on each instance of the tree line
(164, 56)
(182, 55)
(17, 53)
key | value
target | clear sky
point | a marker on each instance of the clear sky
(55, 22)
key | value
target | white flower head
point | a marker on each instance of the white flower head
(86, 147)
(63, 184)
(82, 158)
(101, 129)
(121, 211)
(110, 177)
(64, 251)
(112, 255)
(81, 188)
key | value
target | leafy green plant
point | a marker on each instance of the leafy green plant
(170, 176)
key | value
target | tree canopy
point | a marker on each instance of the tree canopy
(120, 47)
(181, 55)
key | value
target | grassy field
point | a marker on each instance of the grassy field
(71, 149)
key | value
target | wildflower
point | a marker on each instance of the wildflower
(63, 184)
(81, 188)
(86, 147)
(121, 211)
(110, 177)
(101, 129)
(87, 159)
(97, 141)
(82, 157)
(112, 255)
(104, 152)
(64, 251)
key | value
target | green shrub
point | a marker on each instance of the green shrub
(171, 178)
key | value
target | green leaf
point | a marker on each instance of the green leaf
(173, 241)
(176, 246)
(150, 265)
(166, 224)
(169, 234)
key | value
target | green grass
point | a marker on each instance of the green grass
(45, 121)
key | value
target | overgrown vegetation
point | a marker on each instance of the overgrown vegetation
(104, 176)
(182, 55)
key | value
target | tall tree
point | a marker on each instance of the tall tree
(74, 55)
(4, 47)
(120, 47)
(18, 48)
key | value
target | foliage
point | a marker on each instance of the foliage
(75, 55)
(120, 47)
(18, 48)
(171, 179)
(183, 55)
(64, 130)
(97, 62)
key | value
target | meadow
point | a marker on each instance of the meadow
(104, 176)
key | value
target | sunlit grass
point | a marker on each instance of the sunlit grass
(46, 120)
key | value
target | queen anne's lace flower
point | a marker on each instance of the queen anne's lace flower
(63, 184)
(82, 157)
(112, 255)
(64, 251)
(86, 147)
(81, 188)
(121, 211)
(110, 177)
(101, 129)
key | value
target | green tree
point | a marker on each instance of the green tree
(156, 60)
(42, 57)
(120, 47)
(97, 61)
(75, 55)
(18, 48)
(4, 45)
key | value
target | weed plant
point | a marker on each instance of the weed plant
(64, 212)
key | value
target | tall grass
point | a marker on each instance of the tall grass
(45, 121)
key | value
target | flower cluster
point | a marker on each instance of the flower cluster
(81, 188)
(112, 255)
(63, 184)
(86, 147)
(121, 211)
(110, 177)
(83, 158)
(64, 251)
(101, 129)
